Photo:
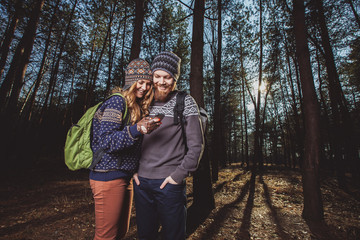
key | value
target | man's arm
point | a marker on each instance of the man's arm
(195, 141)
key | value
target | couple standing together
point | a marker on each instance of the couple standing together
(152, 152)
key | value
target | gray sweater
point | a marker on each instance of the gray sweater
(163, 151)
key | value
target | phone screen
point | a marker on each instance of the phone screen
(160, 116)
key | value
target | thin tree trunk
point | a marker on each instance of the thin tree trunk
(9, 35)
(112, 51)
(96, 72)
(88, 76)
(217, 153)
(53, 77)
(122, 71)
(68, 111)
(313, 208)
(30, 103)
(243, 80)
(257, 136)
(298, 127)
(354, 12)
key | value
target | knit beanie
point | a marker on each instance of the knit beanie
(168, 62)
(138, 69)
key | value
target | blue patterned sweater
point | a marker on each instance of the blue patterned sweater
(120, 141)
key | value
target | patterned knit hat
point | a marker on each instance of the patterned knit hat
(168, 62)
(137, 69)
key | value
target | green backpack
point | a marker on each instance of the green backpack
(77, 150)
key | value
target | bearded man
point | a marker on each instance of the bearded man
(166, 159)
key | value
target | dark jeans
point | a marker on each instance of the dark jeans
(155, 206)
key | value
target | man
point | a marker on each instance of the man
(166, 160)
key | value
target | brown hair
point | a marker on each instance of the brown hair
(138, 108)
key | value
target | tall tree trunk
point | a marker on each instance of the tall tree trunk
(298, 127)
(121, 78)
(217, 149)
(21, 59)
(112, 51)
(345, 150)
(89, 74)
(243, 83)
(313, 208)
(202, 187)
(257, 134)
(138, 28)
(9, 35)
(329, 162)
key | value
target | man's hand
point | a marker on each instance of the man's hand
(147, 125)
(136, 178)
(168, 180)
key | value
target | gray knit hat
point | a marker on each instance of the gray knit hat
(168, 62)
(137, 69)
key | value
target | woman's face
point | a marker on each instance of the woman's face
(142, 87)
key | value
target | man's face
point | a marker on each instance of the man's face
(163, 83)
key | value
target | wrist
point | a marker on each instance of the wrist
(134, 131)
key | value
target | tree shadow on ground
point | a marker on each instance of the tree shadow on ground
(225, 211)
(246, 220)
(40, 222)
(195, 217)
(274, 214)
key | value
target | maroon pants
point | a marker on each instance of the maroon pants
(113, 201)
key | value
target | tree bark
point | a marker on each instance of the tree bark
(217, 149)
(243, 84)
(138, 29)
(313, 208)
(257, 134)
(202, 188)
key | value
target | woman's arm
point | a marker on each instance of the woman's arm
(115, 134)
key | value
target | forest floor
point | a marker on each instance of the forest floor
(51, 202)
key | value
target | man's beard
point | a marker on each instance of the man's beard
(162, 95)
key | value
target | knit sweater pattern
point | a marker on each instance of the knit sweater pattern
(120, 142)
(163, 151)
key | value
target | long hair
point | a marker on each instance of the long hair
(138, 108)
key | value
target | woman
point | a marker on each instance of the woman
(118, 126)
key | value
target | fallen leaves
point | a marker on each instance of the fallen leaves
(268, 206)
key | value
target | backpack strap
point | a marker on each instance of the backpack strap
(179, 113)
(97, 156)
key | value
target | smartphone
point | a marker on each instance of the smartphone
(158, 117)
